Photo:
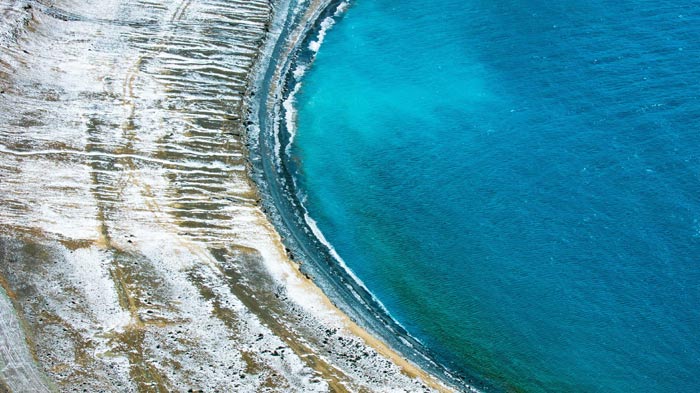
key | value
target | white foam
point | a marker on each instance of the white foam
(299, 72)
(325, 25)
(277, 144)
(290, 116)
(342, 7)
(319, 235)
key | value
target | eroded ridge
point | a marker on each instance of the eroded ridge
(134, 255)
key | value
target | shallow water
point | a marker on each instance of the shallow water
(517, 182)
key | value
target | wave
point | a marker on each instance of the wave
(290, 111)
(319, 235)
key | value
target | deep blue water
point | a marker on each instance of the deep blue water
(518, 182)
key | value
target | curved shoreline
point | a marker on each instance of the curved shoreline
(143, 260)
(271, 94)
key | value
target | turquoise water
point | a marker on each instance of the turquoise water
(518, 183)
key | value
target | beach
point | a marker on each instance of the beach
(137, 253)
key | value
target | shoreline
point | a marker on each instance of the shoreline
(407, 367)
(144, 260)
(269, 120)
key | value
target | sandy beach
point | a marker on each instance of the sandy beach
(136, 255)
